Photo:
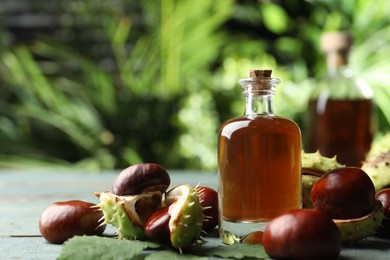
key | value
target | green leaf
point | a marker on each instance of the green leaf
(93, 247)
(275, 18)
(237, 251)
(169, 254)
(333, 22)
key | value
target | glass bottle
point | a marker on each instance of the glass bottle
(340, 111)
(259, 160)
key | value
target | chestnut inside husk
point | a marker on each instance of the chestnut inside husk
(347, 195)
(344, 193)
(314, 165)
(157, 226)
(208, 198)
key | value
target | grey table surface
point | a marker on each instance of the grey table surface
(24, 194)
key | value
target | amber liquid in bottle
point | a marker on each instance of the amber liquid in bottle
(341, 127)
(259, 169)
(259, 160)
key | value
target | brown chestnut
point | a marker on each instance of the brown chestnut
(302, 234)
(141, 177)
(344, 193)
(253, 238)
(208, 199)
(63, 220)
(384, 197)
(157, 226)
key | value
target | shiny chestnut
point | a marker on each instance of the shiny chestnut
(157, 226)
(63, 220)
(344, 193)
(141, 177)
(302, 234)
(208, 199)
(384, 197)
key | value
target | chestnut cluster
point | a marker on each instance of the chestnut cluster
(157, 229)
(345, 209)
(144, 177)
(141, 207)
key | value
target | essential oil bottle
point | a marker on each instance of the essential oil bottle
(259, 160)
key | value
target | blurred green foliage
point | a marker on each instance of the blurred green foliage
(167, 76)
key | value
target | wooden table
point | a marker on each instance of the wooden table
(24, 194)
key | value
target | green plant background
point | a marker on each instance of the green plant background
(167, 76)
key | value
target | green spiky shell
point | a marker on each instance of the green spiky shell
(357, 229)
(318, 162)
(307, 184)
(187, 217)
(314, 165)
(379, 146)
(378, 169)
(120, 212)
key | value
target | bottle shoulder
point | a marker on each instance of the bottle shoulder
(264, 123)
(342, 86)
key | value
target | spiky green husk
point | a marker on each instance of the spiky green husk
(357, 229)
(314, 165)
(318, 162)
(120, 212)
(187, 217)
(307, 184)
(379, 146)
(378, 169)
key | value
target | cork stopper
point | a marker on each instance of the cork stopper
(336, 45)
(259, 82)
(336, 41)
(259, 73)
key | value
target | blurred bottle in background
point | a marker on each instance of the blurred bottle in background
(340, 111)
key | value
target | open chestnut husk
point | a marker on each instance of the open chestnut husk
(378, 169)
(137, 193)
(302, 234)
(360, 228)
(314, 165)
(182, 217)
(347, 195)
(189, 211)
(128, 213)
(139, 178)
(63, 220)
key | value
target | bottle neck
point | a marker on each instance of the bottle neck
(337, 63)
(258, 95)
(258, 103)
(340, 82)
